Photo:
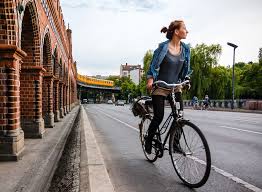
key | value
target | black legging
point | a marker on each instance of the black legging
(158, 107)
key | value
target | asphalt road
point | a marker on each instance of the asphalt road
(235, 141)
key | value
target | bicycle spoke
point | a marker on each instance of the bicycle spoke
(197, 150)
(178, 158)
(192, 141)
(143, 134)
(191, 166)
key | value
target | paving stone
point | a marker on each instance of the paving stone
(66, 177)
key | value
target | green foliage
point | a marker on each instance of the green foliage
(128, 88)
(146, 61)
(203, 59)
(260, 56)
(220, 82)
(240, 64)
(250, 81)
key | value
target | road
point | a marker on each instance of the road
(235, 141)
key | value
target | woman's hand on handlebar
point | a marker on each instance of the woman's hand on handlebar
(149, 84)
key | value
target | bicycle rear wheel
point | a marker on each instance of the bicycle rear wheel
(143, 135)
(190, 154)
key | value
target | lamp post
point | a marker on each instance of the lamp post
(233, 74)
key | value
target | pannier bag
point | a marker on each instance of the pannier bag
(142, 107)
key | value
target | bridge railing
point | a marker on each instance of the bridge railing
(239, 103)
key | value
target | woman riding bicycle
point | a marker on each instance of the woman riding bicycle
(170, 63)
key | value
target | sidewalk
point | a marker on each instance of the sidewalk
(33, 172)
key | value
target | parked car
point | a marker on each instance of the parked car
(109, 102)
(120, 102)
(91, 100)
(84, 101)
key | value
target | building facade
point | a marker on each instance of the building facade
(37, 71)
(134, 72)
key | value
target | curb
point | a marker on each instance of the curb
(99, 180)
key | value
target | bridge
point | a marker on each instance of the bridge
(96, 90)
(37, 72)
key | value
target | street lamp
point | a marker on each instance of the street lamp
(233, 74)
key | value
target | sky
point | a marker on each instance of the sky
(108, 33)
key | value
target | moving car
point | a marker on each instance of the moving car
(109, 102)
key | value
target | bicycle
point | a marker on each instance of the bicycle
(195, 105)
(191, 160)
(205, 105)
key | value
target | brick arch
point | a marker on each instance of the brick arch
(30, 36)
(47, 85)
(8, 22)
(61, 68)
(64, 71)
(73, 87)
(55, 62)
(46, 55)
(31, 81)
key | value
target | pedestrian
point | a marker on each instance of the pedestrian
(170, 63)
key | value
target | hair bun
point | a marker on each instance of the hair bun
(163, 30)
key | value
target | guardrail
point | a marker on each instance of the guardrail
(239, 103)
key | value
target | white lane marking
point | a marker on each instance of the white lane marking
(216, 169)
(243, 130)
(135, 128)
(248, 120)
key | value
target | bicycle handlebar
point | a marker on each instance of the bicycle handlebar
(173, 85)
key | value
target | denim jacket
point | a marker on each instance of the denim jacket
(159, 55)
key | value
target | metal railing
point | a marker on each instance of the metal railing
(238, 103)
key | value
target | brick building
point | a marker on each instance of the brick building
(37, 71)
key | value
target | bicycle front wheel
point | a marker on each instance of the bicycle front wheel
(190, 154)
(143, 135)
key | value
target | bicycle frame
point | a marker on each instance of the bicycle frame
(166, 124)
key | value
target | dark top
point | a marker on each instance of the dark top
(170, 67)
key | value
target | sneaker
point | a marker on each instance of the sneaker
(148, 146)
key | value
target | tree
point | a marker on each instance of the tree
(203, 58)
(250, 82)
(260, 56)
(128, 89)
(118, 80)
(240, 64)
(146, 64)
(147, 60)
(220, 82)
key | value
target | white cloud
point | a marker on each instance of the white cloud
(109, 33)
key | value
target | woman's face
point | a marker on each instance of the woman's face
(181, 32)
